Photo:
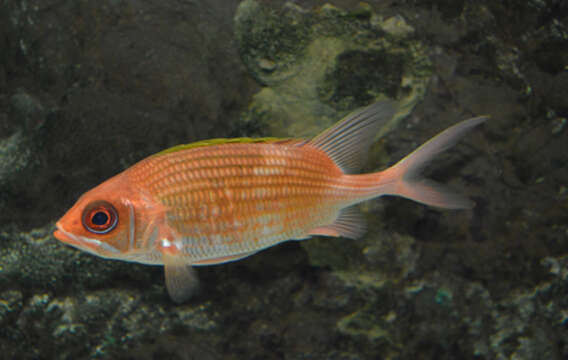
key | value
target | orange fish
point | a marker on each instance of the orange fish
(222, 200)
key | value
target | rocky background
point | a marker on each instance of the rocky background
(87, 88)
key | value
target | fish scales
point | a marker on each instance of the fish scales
(240, 198)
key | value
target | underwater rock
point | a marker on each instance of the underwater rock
(97, 325)
(19, 145)
(324, 62)
(15, 155)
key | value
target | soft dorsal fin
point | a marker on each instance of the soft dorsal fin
(348, 141)
(223, 141)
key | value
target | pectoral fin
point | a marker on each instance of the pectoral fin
(181, 280)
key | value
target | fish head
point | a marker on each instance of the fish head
(102, 220)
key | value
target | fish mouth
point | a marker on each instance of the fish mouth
(89, 245)
(73, 240)
(59, 235)
(64, 236)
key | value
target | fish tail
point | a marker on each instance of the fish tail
(404, 178)
(348, 142)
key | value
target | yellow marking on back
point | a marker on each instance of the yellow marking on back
(223, 141)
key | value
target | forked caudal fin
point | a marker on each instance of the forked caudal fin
(404, 178)
(408, 182)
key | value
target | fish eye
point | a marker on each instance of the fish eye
(100, 217)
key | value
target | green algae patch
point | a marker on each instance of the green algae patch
(360, 324)
(362, 279)
(271, 41)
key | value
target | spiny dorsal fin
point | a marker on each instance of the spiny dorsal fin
(222, 141)
(348, 141)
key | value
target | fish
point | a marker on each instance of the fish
(221, 200)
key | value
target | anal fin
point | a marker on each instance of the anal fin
(328, 230)
(349, 223)
(224, 259)
(181, 280)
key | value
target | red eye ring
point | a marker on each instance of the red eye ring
(100, 217)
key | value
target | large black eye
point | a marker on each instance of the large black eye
(100, 217)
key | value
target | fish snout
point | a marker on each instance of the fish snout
(62, 235)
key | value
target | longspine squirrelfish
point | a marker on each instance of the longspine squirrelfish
(222, 200)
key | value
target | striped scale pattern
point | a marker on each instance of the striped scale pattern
(239, 198)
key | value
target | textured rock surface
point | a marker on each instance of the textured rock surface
(324, 62)
(88, 88)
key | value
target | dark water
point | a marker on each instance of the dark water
(87, 88)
